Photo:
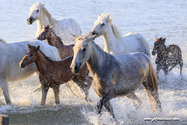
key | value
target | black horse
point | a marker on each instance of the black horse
(167, 57)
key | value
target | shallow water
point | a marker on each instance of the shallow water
(149, 18)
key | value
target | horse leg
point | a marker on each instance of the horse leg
(181, 65)
(109, 95)
(83, 86)
(172, 66)
(44, 94)
(158, 68)
(109, 108)
(4, 87)
(56, 93)
(152, 92)
(136, 101)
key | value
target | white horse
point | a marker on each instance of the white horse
(11, 55)
(116, 44)
(63, 27)
(115, 75)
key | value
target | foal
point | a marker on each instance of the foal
(167, 56)
(54, 73)
(64, 50)
(54, 40)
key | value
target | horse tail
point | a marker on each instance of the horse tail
(143, 42)
(3, 41)
(151, 87)
(75, 88)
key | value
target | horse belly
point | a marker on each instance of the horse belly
(15, 73)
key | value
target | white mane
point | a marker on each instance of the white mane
(108, 18)
(51, 20)
(3, 41)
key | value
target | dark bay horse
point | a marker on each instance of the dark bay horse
(115, 76)
(53, 40)
(167, 57)
(54, 73)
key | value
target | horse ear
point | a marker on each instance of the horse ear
(156, 38)
(164, 39)
(108, 15)
(99, 15)
(74, 36)
(38, 47)
(51, 27)
(43, 25)
(43, 5)
(29, 46)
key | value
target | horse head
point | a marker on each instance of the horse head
(82, 51)
(100, 25)
(30, 56)
(159, 43)
(35, 13)
(45, 32)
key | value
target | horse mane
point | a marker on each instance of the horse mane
(115, 29)
(45, 56)
(51, 19)
(59, 39)
(3, 41)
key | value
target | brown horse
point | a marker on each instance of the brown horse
(54, 40)
(167, 56)
(54, 73)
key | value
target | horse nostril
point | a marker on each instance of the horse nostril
(22, 65)
(75, 68)
(93, 33)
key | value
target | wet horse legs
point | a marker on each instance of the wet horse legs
(136, 101)
(4, 87)
(44, 94)
(56, 93)
(105, 100)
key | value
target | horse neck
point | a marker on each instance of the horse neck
(53, 40)
(162, 52)
(43, 20)
(109, 39)
(42, 62)
(97, 58)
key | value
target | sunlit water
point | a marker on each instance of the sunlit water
(149, 17)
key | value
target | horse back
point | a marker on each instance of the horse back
(174, 51)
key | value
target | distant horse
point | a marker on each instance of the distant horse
(11, 54)
(116, 44)
(53, 40)
(54, 73)
(115, 75)
(167, 56)
(63, 27)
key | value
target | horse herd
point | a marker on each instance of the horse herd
(118, 70)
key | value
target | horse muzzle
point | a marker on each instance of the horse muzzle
(22, 64)
(94, 33)
(154, 52)
(30, 20)
(74, 69)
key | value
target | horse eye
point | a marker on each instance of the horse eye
(37, 10)
(102, 24)
(31, 55)
(84, 49)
